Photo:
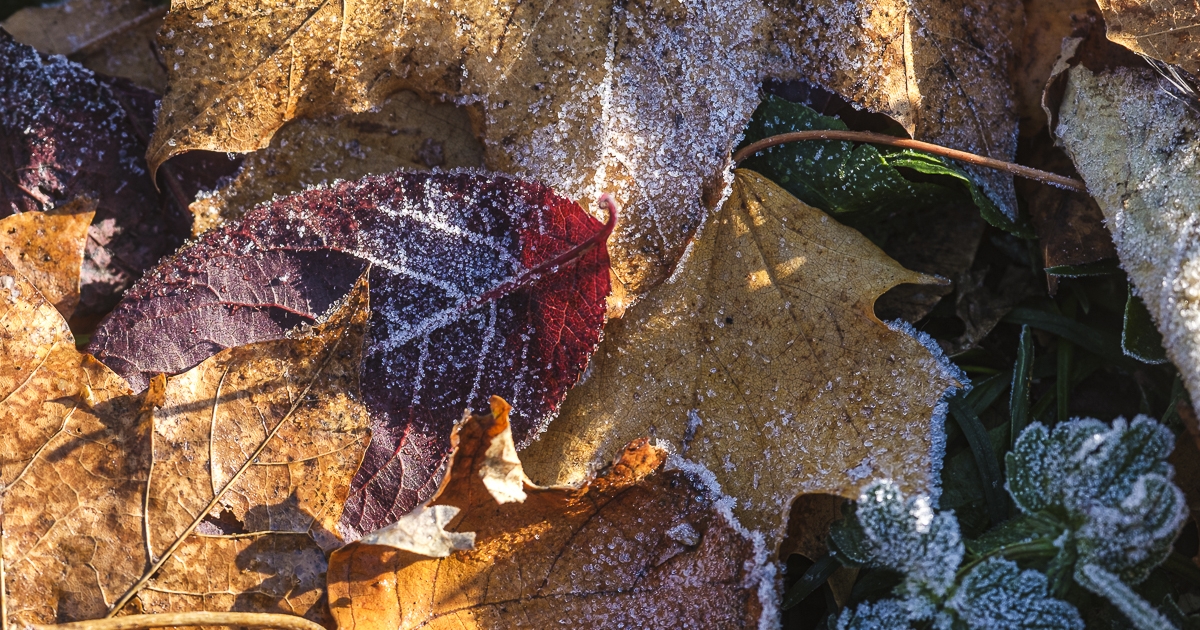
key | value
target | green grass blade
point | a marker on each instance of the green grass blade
(985, 457)
(1018, 400)
(813, 578)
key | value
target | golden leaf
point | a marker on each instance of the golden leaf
(47, 248)
(762, 360)
(1166, 30)
(643, 100)
(406, 132)
(104, 491)
(636, 547)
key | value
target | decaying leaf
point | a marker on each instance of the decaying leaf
(47, 248)
(1163, 29)
(69, 133)
(762, 360)
(938, 67)
(1047, 22)
(643, 100)
(104, 490)
(111, 37)
(461, 307)
(406, 132)
(1136, 145)
(640, 546)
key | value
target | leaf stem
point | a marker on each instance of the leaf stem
(1037, 548)
(905, 143)
(197, 618)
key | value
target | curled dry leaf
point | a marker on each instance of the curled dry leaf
(762, 360)
(1165, 30)
(47, 248)
(639, 546)
(406, 132)
(103, 490)
(1136, 146)
(69, 133)
(463, 307)
(643, 100)
(111, 37)
(938, 67)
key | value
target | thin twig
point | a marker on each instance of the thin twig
(904, 143)
(200, 618)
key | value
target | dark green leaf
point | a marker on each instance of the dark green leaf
(983, 394)
(985, 457)
(1139, 338)
(813, 578)
(1098, 342)
(1101, 268)
(1018, 401)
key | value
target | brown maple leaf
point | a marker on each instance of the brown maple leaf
(1163, 30)
(763, 361)
(639, 546)
(105, 492)
(47, 249)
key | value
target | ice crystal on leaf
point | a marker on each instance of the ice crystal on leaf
(996, 593)
(1110, 485)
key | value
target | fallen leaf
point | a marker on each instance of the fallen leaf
(461, 308)
(762, 360)
(1037, 45)
(405, 132)
(1135, 146)
(111, 37)
(639, 546)
(643, 100)
(102, 488)
(938, 67)
(47, 248)
(70, 133)
(1163, 30)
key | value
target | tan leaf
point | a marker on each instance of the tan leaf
(104, 489)
(1047, 22)
(47, 248)
(762, 360)
(639, 547)
(1136, 147)
(938, 67)
(113, 37)
(406, 132)
(1167, 30)
(643, 100)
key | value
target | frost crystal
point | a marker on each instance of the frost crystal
(997, 594)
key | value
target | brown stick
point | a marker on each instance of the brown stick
(201, 618)
(905, 143)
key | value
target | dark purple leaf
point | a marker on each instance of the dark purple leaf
(466, 303)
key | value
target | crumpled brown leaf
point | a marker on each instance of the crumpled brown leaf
(112, 37)
(47, 248)
(104, 491)
(1136, 147)
(639, 546)
(406, 132)
(938, 67)
(762, 360)
(1163, 29)
(643, 100)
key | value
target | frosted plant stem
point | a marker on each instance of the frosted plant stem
(1139, 611)
(905, 143)
(1033, 549)
(199, 618)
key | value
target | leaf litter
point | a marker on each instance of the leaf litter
(462, 307)
(762, 360)
(642, 545)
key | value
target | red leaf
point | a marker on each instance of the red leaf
(67, 132)
(467, 302)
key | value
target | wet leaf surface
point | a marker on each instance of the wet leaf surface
(47, 249)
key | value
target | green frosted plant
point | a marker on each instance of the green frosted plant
(1098, 509)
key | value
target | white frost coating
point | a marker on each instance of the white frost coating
(763, 569)
(1110, 587)
(423, 531)
(937, 431)
(1138, 149)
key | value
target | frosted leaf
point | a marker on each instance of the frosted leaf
(1112, 483)
(998, 594)
(885, 614)
(908, 536)
(1110, 587)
